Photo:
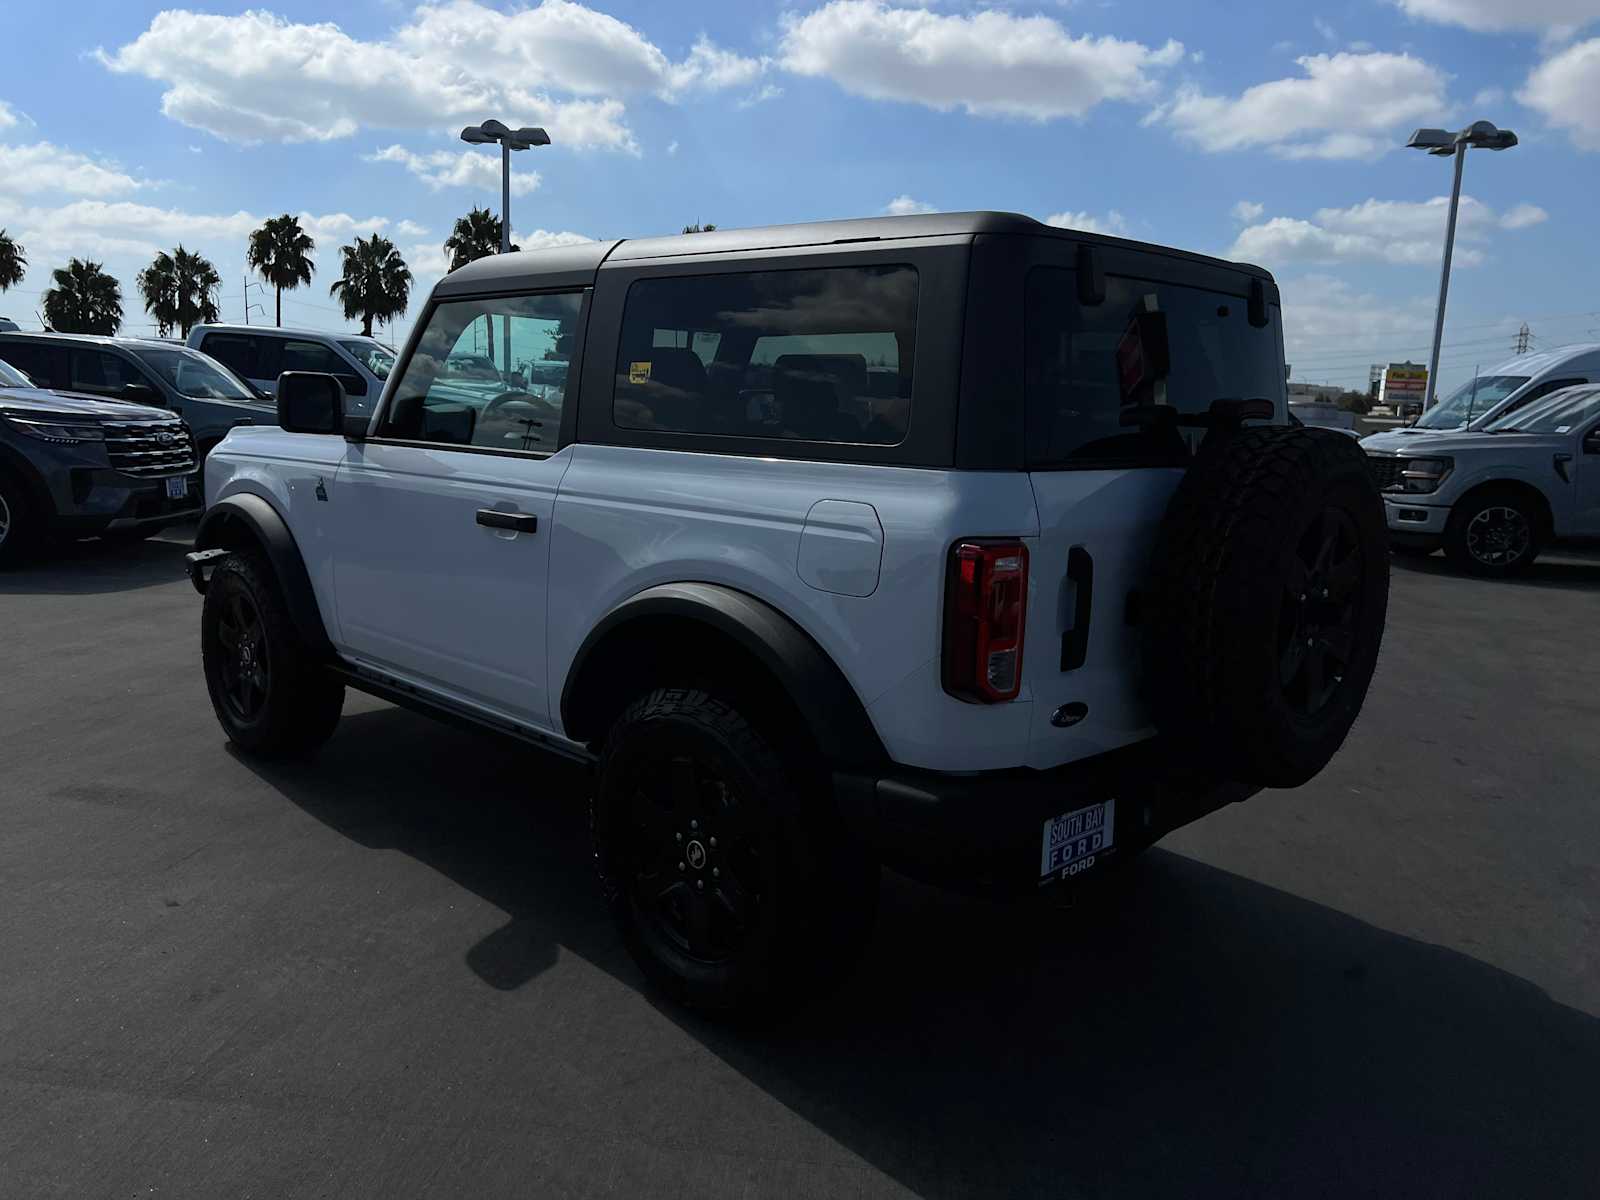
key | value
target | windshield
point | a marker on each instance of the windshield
(1472, 399)
(1556, 415)
(374, 356)
(195, 375)
(11, 377)
(470, 366)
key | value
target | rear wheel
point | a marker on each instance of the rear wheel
(271, 694)
(731, 891)
(17, 528)
(1495, 533)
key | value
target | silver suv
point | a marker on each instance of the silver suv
(260, 354)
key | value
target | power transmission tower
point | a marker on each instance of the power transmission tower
(1523, 335)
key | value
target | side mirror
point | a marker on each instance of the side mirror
(141, 393)
(310, 402)
(1591, 441)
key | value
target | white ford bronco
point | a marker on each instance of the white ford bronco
(959, 543)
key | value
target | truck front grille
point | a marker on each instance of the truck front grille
(1385, 470)
(150, 447)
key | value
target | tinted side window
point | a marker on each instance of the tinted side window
(314, 356)
(1092, 378)
(40, 363)
(815, 355)
(1539, 391)
(237, 352)
(490, 373)
(101, 371)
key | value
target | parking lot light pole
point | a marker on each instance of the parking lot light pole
(509, 140)
(1443, 143)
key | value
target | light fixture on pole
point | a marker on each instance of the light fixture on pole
(1443, 143)
(509, 139)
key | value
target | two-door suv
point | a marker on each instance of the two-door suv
(960, 543)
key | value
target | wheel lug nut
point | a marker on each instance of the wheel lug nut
(680, 866)
(694, 824)
(716, 872)
(713, 843)
(677, 837)
(699, 885)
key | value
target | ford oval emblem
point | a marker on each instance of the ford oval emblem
(164, 438)
(1069, 715)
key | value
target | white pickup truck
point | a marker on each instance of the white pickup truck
(1495, 495)
(957, 542)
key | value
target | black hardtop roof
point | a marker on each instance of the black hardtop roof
(573, 265)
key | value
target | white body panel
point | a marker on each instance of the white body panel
(628, 519)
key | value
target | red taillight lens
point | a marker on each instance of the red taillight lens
(986, 602)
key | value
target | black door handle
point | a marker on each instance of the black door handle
(1075, 642)
(519, 521)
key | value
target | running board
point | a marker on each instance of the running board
(407, 695)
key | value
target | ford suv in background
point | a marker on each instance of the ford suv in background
(81, 465)
(210, 398)
(1495, 495)
(261, 354)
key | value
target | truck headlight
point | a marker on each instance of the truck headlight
(1425, 474)
(62, 430)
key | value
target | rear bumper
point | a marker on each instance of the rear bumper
(986, 830)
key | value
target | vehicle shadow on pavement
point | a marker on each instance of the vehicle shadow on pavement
(1180, 1030)
(1564, 574)
(95, 566)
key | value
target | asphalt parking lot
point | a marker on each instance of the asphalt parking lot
(384, 973)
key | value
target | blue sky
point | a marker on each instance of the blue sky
(1255, 130)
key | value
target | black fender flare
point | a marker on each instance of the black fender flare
(833, 713)
(245, 519)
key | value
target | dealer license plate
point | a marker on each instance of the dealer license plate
(178, 488)
(1073, 840)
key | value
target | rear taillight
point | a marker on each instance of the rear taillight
(986, 601)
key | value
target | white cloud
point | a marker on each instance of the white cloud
(1387, 231)
(1113, 222)
(1324, 316)
(1565, 88)
(770, 91)
(7, 117)
(458, 168)
(1360, 47)
(1365, 97)
(543, 239)
(1522, 216)
(257, 76)
(904, 206)
(1327, 32)
(672, 146)
(1247, 210)
(43, 167)
(1489, 97)
(410, 229)
(990, 63)
(1486, 16)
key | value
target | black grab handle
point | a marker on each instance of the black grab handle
(519, 521)
(1075, 641)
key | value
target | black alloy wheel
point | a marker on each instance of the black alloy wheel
(1318, 633)
(694, 857)
(246, 665)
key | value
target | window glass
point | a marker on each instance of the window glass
(237, 352)
(194, 375)
(491, 373)
(10, 376)
(39, 362)
(311, 356)
(1471, 399)
(1557, 414)
(1094, 384)
(100, 371)
(816, 355)
(375, 356)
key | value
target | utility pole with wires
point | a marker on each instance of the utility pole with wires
(1523, 336)
(248, 284)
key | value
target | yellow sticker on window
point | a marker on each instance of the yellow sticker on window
(639, 372)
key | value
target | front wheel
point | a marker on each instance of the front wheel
(271, 694)
(1495, 534)
(17, 528)
(732, 892)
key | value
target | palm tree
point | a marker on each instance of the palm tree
(178, 291)
(13, 262)
(376, 284)
(281, 251)
(475, 236)
(699, 228)
(84, 299)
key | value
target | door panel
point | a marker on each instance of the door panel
(424, 589)
(1587, 463)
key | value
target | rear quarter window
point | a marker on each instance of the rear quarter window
(820, 355)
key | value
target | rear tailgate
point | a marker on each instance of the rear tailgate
(1081, 662)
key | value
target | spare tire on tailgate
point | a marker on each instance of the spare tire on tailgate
(1268, 594)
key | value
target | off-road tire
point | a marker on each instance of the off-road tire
(809, 890)
(300, 701)
(16, 519)
(1459, 530)
(1231, 607)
